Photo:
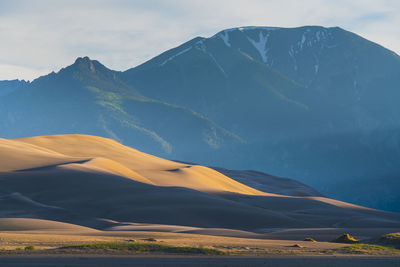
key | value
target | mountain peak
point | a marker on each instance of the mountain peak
(82, 59)
(86, 63)
(82, 67)
(90, 66)
(272, 28)
(247, 28)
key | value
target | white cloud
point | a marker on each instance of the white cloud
(46, 35)
(10, 72)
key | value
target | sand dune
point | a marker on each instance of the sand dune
(159, 171)
(99, 183)
(28, 224)
(107, 166)
(101, 195)
(268, 183)
(18, 156)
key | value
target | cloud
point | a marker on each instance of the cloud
(10, 72)
(45, 35)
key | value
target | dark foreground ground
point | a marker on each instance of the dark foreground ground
(317, 261)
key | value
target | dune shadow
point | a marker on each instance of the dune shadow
(178, 169)
(47, 167)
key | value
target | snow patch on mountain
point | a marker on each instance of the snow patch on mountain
(303, 40)
(316, 68)
(316, 65)
(310, 39)
(174, 56)
(201, 46)
(247, 28)
(261, 45)
(218, 65)
(292, 55)
(225, 37)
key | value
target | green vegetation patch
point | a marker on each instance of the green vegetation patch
(30, 248)
(146, 247)
(369, 249)
(107, 99)
(393, 239)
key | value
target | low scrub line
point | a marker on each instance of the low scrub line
(146, 247)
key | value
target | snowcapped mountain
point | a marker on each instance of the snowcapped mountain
(312, 103)
(317, 104)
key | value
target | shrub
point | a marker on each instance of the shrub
(146, 247)
(345, 238)
(392, 239)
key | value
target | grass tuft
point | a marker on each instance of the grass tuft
(30, 248)
(369, 249)
(146, 247)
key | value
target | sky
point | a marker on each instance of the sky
(37, 37)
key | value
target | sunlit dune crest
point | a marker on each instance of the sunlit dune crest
(108, 155)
